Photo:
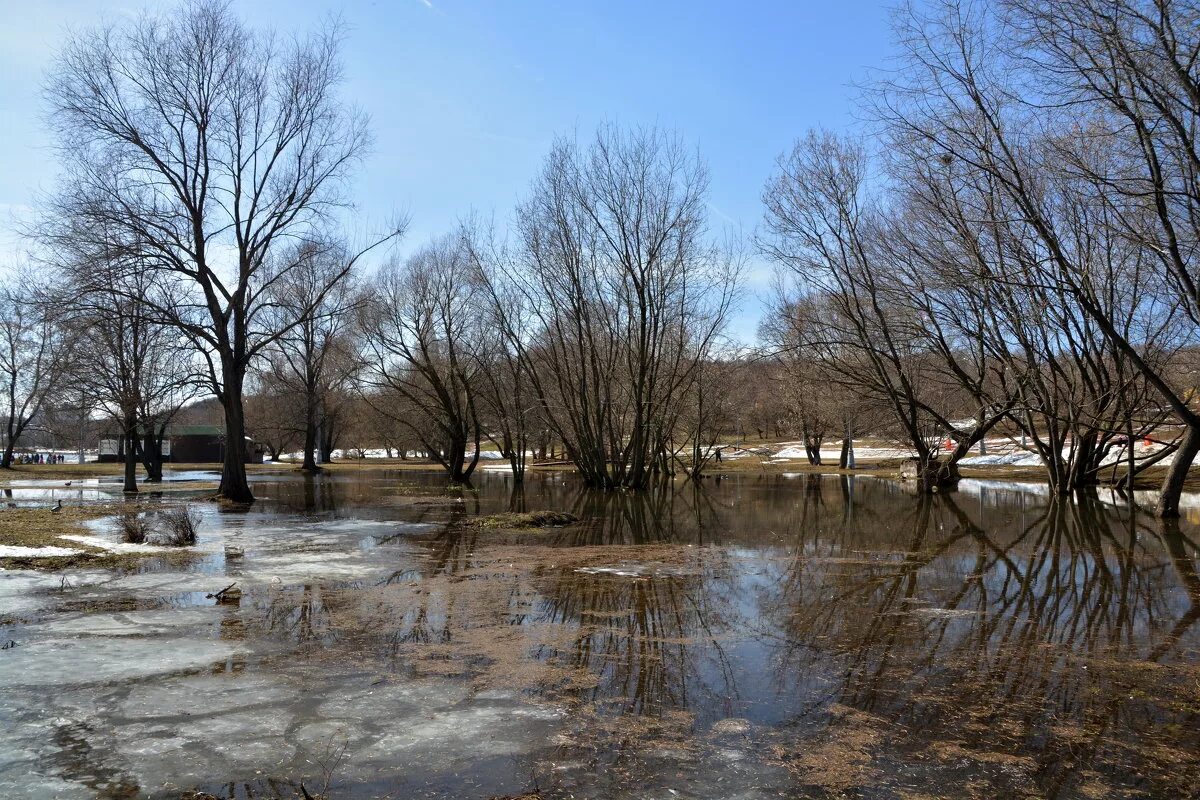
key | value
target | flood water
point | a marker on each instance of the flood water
(757, 637)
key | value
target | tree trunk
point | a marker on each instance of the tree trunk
(1172, 487)
(325, 442)
(131, 457)
(930, 474)
(456, 455)
(812, 449)
(311, 434)
(235, 486)
(10, 441)
(516, 458)
(152, 454)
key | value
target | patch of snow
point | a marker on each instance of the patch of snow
(16, 551)
(1019, 458)
(115, 547)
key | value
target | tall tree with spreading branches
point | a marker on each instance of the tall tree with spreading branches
(208, 148)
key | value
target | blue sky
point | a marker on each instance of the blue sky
(465, 97)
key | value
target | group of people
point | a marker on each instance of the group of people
(41, 458)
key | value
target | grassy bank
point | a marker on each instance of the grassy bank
(42, 527)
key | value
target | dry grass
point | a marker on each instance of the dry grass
(842, 760)
(179, 526)
(40, 527)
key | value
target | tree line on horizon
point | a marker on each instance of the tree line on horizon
(1007, 249)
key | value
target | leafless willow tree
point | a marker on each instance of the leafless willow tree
(707, 415)
(510, 408)
(872, 320)
(314, 358)
(819, 399)
(208, 148)
(422, 338)
(621, 295)
(1078, 399)
(275, 414)
(1079, 105)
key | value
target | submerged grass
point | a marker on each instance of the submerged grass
(528, 520)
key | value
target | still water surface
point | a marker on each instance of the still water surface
(757, 637)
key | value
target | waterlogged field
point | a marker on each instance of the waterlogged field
(762, 636)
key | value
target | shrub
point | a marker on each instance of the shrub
(178, 526)
(134, 527)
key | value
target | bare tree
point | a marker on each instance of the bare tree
(207, 147)
(707, 416)
(382, 429)
(509, 405)
(817, 397)
(317, 311)
(1036, 94)
(34, 356)
(870, 321)
(1078, 396)
(626, 297)
(138, 371)
(421, 336)
(275, 414)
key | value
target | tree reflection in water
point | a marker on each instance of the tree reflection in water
(1052, 647)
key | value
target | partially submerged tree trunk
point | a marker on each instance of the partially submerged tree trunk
(151, 452)
(312, 433)
(812, 446)
(235, 485)
(1172, 486)
(325, 446)
(455, 457)
(930, 474)
(130, 435)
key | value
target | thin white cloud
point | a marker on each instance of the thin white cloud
(426, 3)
